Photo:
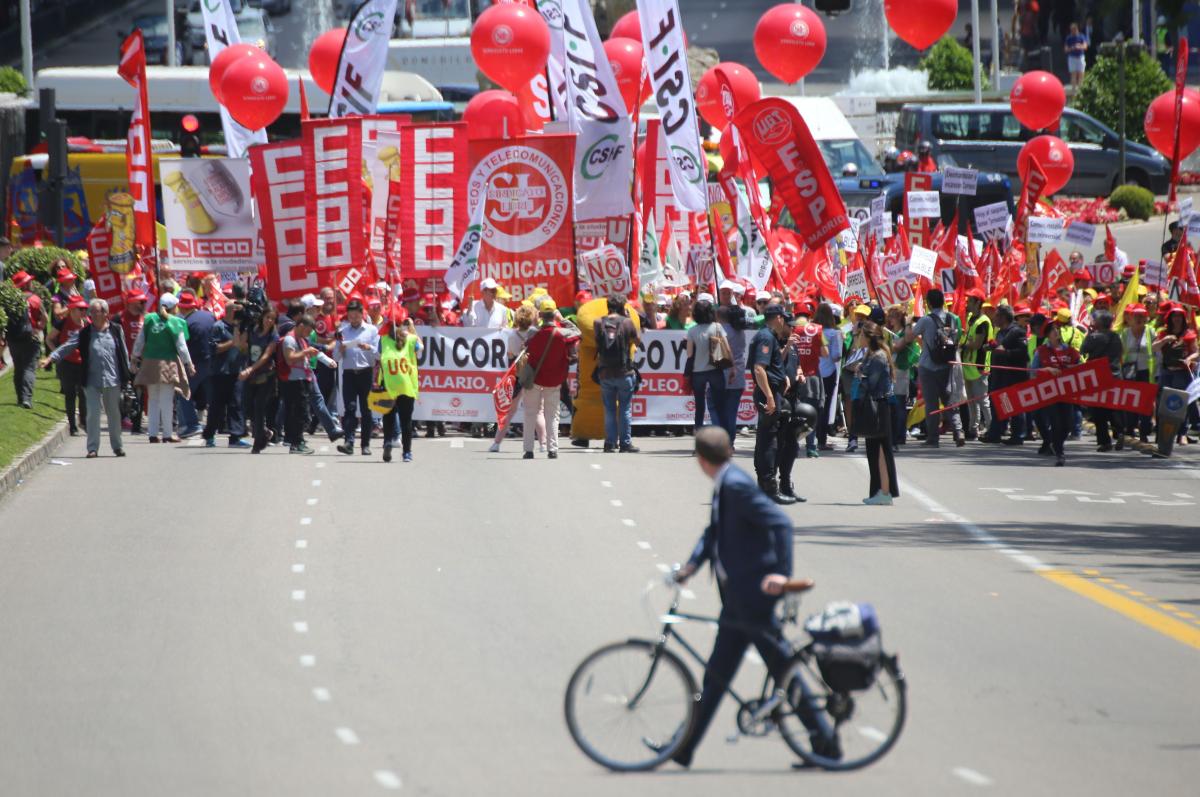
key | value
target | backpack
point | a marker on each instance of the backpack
(20, 328)
(944, 350)
(612, 345)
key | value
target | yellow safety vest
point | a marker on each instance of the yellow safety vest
(399, 367)
(971, 371)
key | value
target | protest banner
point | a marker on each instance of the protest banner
(333, 193)
(458, 369)
(528, 240)
(962, 182)
(1047, 388)
(924, 205)
(432, 216)
(1080, 234)
(1044, 230)
(1124, 396)
(208, 215)
(108, 285)
(277, 183)
(604, 272)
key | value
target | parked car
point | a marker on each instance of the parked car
(860, 178)
(989, 137)
(273, 7)
(154, 31)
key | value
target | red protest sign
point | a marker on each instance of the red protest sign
(277, 182)
(1047, 388)
(1124, 396)
(333, 191)
(433, 201)
(107, 281)
(774, 132)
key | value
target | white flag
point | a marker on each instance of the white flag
(754, 260)
(650, 271)
(363, 60)
(552, 13)
(220, 31)
(666, 57)
(464, 268)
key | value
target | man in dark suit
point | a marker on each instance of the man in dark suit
(749, 544)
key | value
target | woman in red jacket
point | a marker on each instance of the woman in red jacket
(1054, 356)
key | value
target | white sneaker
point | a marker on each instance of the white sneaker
(494, 448)
(879, 499)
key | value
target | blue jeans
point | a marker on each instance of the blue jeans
(730, 401)
(707, 387)
(618, 427)
(316, 405)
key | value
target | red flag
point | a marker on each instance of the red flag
(333, 193)
(1031, 191)
(1055, 274)
(774, 131)
(433, 200)
(1181, 281)
(277, 182)
(788, 256)
(304, 115)
(1181, 62)
(139, 165)
(502, 394)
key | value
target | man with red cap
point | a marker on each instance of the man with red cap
(1137, 363)
(69, 369)
(24, 335)
(1010, 356)
(975, 358)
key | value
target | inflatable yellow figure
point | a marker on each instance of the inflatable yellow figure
(588, 423)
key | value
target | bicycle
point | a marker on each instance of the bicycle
(631, 705)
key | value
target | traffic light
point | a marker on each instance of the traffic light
(833, 7)
(189, 142)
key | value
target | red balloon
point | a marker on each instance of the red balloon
(625, 57)
(789, 41)
(629, 26)
(233, 52)
(920, 22)
(1038, 99)
(1055, 158)
(487, 113)
(510, 43)
(1160, 123)
(725, 145)
(708, 93)
(255, 91)
(323, 58)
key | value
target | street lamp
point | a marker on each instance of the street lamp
(1119, 48)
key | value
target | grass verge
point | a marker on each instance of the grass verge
(21, 428)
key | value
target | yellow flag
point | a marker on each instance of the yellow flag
(1129, 297)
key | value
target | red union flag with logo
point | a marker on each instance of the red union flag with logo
(774, 132)
(277, 182)
(528, 235)
(138, 165)
(432, 211)
(1047, 388)
(107, 281)
(333, 192)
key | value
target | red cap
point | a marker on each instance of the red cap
(77, 302)
(135, 296)
(64, 275)
(188, 301)
(1129, 269)
(429, 299)
(582, 297)
(1102, 298)
(410, 295)
(22, 278)
(375, 301)
(1083, 274)
(1022, 309)
(1137, 309)
(976, 293)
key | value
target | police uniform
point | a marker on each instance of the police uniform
(766, 350)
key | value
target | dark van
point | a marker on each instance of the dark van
(988, 137)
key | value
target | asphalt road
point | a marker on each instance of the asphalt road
(201, 622)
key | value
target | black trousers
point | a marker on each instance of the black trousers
(829, 403)
(766, 441)
(356, 388)
(402, 412)
(70, 381)
(785, 455)
(874, 446)
(220, 405)
(295, 410)
(1133, 423)
(260, 399)
(735, 635)
(25, 358)
(1061, 418)
(1106, 424)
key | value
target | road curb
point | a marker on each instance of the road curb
(37, 454)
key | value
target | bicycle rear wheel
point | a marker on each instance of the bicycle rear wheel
(842, 730)
(629, 706)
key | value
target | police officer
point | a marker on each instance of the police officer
(770, 385)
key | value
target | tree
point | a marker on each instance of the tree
(950, 66)
(1100, 94)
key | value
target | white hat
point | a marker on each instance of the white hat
(489, 284)
(661, 299)
(762, 295)
(706, 297)
(730, 285)
(167, 301)
(308, 300)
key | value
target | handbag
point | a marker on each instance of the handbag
(719, 352)
(871, 417)
(527, 374)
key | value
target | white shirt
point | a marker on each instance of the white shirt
(480, 316)
(352, 356)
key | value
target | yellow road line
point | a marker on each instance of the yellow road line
(1134, 610)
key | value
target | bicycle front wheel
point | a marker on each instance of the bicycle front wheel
(842, 730)
(629, 706)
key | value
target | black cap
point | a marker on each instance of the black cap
(776, 310)
(354, 304)
(877, 314)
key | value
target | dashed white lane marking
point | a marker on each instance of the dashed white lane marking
(874, 734)
(300, 627)
(629, 522)
(297, 568)
(346, 735)
(595, 466)
(322, 694)
(606, 484)
(616, 502)
(320, 464)
(387, 779)
(971, 776)
(305, 521)
(645, 546)
(297, 594)
(316, 482)
(308, 660)
(456, 443)
(312, 501)
(301, 543)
